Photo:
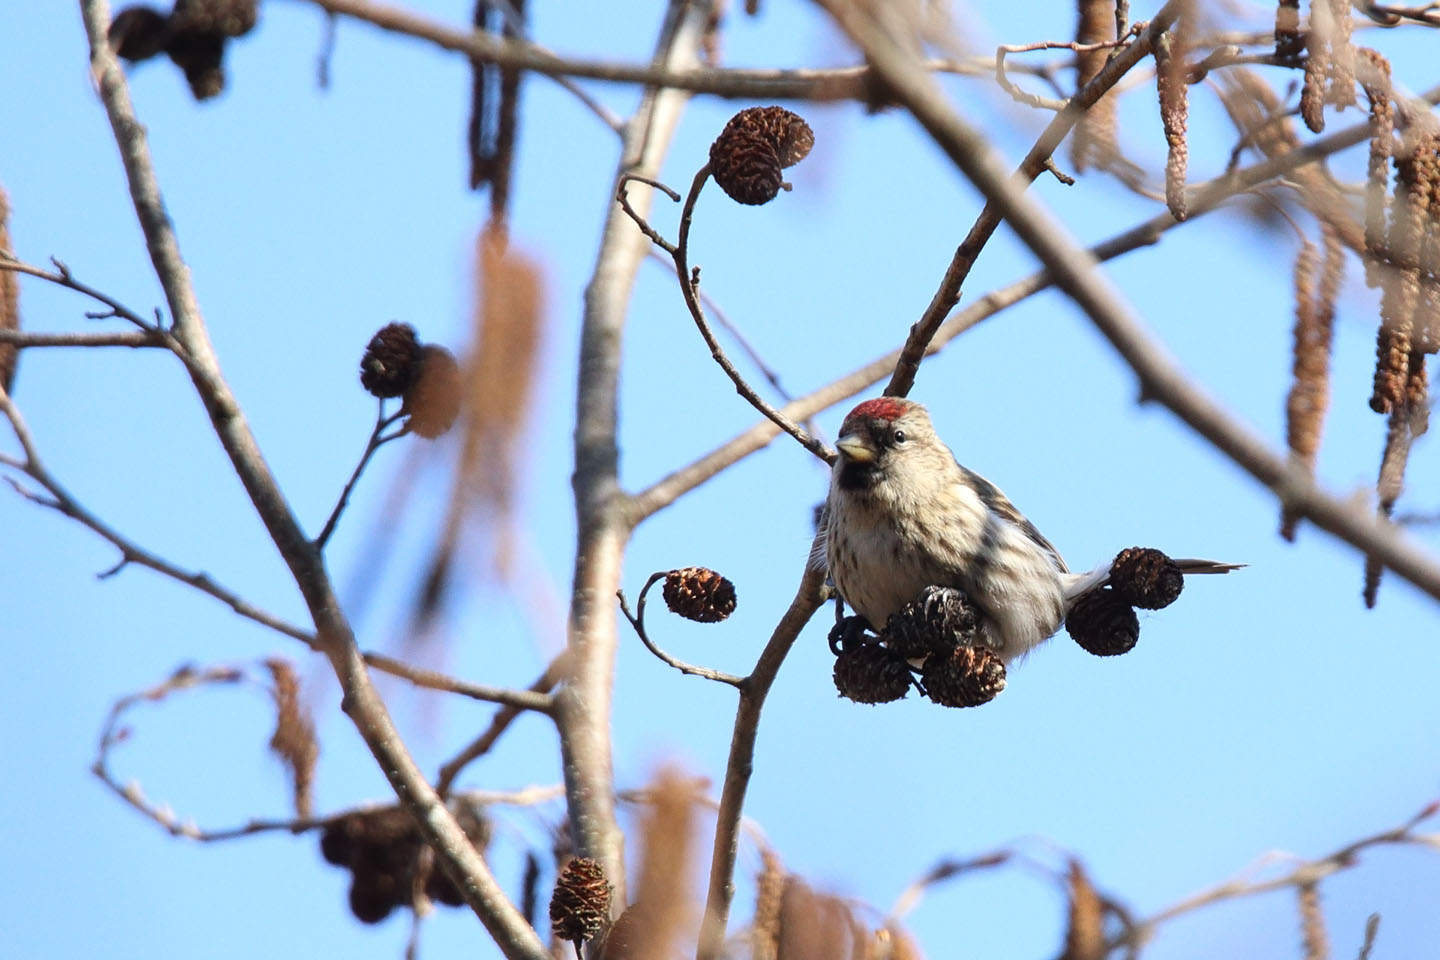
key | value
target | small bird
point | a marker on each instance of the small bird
(903, 514)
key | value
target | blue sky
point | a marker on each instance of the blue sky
(1265, 710)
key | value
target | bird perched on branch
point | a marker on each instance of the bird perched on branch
(903, 515)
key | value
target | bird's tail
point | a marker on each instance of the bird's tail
(1079, 584)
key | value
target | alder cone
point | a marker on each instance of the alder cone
(869, 673)
(1144, 577)
(967, 677)
(1103, 624)
(581, 902)
(699, 594)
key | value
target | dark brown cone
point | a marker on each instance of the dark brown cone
(138, 33)
(967, 677)
(335, 844)
(747, 167)
(201, 55)
(1146, 578)
(699, 594)
(581, 902)
(1103, 624)
(868, 673)
(391, 361)
(433, 400)
(788, 132)
(757, 143)
(225, 18)
(374, 895)
(937, 621)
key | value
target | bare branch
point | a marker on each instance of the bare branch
(583, 704)
(808, 598)
(514, 937)
(61, 276)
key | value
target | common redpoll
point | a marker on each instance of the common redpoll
(903, 515)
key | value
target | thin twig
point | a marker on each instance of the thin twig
(61, 276)
(1030, 99)
(637, 620)
(481, 745)
(378, 438)
(1306, 872)
(829, 84)
(948, 293)
(434, 680)
(61, 501)
(689, 287)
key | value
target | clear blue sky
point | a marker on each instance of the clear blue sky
(1265, 710)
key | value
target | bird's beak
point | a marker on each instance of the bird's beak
(856, 449)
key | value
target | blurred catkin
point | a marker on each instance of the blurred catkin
(1416, 175)
(1310, 369)
(765, 927)
(1094, 140)
(294, 737)
(1342, 55)
(1375, 78)
(1391, 484)
(1085, 923)
(1289, 41)
(1313, 938)
(9, 300)
(1174, 111)
(1317, 65)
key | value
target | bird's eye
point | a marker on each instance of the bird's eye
(899, 436)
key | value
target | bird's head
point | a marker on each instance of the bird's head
(879, 434)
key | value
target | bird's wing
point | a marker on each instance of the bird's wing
(991, 496)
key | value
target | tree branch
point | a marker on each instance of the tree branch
(511, 932)
(583, 704)
(755, 688)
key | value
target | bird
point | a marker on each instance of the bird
(902, 514)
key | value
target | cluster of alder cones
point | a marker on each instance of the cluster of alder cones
(933, 642)
(193, 35)
(381, 849)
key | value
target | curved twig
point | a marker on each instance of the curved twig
(637, 620)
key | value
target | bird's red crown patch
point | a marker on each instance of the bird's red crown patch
(881, 408)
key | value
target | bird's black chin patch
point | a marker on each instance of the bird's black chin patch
(859, 476)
